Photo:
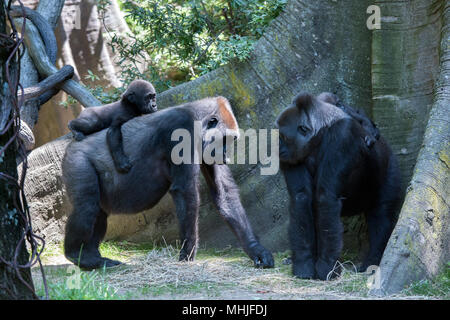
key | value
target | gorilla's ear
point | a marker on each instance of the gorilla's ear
(130, 97)
(304, 101)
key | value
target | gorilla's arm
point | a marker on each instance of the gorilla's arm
(366, 123)
(88, 122)
(358, 115)
(225, 194)
(301, 223)
(115, 144)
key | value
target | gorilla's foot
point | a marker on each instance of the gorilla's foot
(109, 263)
(93, 262)
(185, 256)
(304, 269)
(327, 270)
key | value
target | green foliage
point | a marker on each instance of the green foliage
(98, 91)
(185, 39)
(105, 97)
(182, 39)
(91, 76)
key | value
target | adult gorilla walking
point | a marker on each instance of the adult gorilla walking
(96, 189)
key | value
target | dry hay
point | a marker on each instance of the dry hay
(233, 276)
(160, 268)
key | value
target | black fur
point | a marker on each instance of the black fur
(96, 189)
(330, 171)
(138, 99)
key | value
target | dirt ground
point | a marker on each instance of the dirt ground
(155, 273)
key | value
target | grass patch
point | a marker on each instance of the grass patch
(436, 287)
(228, 253)
(73, 284)
(124, 249)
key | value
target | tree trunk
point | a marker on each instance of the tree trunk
(405, 66)
(11, 229)
(420, 244)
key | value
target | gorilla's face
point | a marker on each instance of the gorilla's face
(142, 95)
(300, 123)
(296, 132)
(220, 130)
(150, 102)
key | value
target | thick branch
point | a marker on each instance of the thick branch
(51, 11)
(46, 68)
(26, 135)
(52, 81)
(47, 95)
(45, 30)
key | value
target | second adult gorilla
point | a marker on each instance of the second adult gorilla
(331, 171)
(96, 189)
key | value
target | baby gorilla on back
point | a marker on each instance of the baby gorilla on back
(372, 132)
(138, 99)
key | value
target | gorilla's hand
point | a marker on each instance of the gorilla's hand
(124, 166)
(262, 258)
(121, 162)
(369, 141)
(78, 136)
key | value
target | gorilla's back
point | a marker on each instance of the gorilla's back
(146, 141)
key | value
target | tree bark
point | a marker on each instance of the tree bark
(420, 244)
(11, 229)
(45, 29)
(405, 66)
(114, 23)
